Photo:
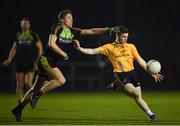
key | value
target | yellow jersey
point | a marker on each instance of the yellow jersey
(120, 55)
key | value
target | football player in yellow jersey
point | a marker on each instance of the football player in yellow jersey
(122, 55)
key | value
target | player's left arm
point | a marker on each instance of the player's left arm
(38, 45)
(40, 48)
(95, 31)
(157, 77)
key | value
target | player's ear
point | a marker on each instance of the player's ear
(62, 20)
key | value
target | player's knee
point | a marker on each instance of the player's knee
(29, 85)
(18, 82)
(61, 81)
(20, 86)
(136, 95)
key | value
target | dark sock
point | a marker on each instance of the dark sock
(20, 107)
(39, 93)
(19, 101)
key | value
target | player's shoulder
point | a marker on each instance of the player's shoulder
(131, 45)
(34, 33)
(108, 46)
(55, 28)
(56, 25)
(16, 36)
(74, 28)
(18, 33)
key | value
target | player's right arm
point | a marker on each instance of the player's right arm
(52, 45)
(96, 31)
(88, 51)
(11, 54)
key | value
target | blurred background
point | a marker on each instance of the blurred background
(154, 29)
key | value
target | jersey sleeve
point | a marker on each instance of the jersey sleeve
(36, 37)
(104, 50)
(55, 29)
(16, 37)
(134, 52)
(76, 32)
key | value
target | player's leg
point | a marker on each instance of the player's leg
(135, 93)
(113, 86)
(38, 84)
(29, 79)
(140, 101)
(20, 82)
(30, 74)
(56, 80)
(17, 111)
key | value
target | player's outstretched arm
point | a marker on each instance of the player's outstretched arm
(85, 50)
(157, 77)
(11, 54)
(95, 31)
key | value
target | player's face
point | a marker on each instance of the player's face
(68, 20)
(25, 25)
(122, 38)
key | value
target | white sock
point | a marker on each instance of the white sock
(149, 113)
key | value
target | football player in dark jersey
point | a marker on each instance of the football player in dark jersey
(23, 52)
(49, 75)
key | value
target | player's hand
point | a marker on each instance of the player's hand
(6, 62)
(157, 77)
(76, 44)
(65, 56)
(36, 66)
(115, 29)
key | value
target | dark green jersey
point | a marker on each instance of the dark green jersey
(26, 46)
(64, 40)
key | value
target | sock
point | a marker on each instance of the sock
(19, 101)
(149, 113)
(20, 107)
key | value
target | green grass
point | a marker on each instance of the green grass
(94, 108)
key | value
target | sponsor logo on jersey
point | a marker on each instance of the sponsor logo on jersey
(25, 42)
(64, 41)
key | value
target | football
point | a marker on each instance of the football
(153, 66)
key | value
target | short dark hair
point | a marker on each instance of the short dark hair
(25, 19)
(63, 13)
(123, 29)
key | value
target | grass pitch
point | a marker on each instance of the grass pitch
(94, 109)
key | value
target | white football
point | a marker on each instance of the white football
(153, 66)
